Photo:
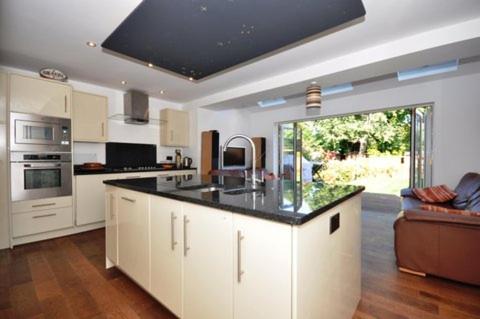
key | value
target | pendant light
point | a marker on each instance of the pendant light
(314, 99)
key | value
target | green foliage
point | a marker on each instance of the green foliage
(376, 133)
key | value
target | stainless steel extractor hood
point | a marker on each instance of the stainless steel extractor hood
(135, 107)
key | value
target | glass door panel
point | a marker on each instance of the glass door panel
(286, 150)
(421, 144)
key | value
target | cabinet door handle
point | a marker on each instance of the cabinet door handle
(65, 104)
(46, 215)
(172, 225)
(185, 244)
(129, 199)
(130, 177)
(103, 129)
(43, 205)
(240, 272)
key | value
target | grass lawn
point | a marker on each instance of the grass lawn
(383, 184)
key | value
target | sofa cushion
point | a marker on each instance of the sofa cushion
(435, 194)
(468, 193)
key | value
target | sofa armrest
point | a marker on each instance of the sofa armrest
(429, 216)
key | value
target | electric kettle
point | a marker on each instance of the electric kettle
(187, 161)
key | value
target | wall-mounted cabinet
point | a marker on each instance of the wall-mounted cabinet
(175, 128)
(39, 96)
(90, 113)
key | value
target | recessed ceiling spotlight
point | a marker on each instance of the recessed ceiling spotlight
(123, 82)
(190, 78)
(150, 65)
(313, 82)
(91, 44)
(162, 92)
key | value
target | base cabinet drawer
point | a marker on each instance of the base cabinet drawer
(41, 221)
(41, 204)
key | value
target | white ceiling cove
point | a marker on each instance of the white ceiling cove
(36, 34)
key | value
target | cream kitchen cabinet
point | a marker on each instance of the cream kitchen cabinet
(166, 252)
(133, 236)
(39, 96)
(227, 265)
(263, 268)
(89, 193)
(174, 128)
(111, 226)
(89, 117)
(207, 264)
(89, 198)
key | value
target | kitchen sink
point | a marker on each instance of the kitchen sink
(239, 191)
(204, 188)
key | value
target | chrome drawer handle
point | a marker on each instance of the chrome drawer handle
(172, 222)
(240, 272)
(43, 205)
(129, 199)
(185, 244)
(46, 215)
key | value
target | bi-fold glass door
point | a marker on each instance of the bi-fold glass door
(421, 147)
(290, 151)
(421, 122)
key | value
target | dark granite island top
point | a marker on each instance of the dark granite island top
(280, 200)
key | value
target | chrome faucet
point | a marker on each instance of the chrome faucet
(254, 155)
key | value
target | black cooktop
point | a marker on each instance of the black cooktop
(202, 37)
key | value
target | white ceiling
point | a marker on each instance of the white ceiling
(36, 34)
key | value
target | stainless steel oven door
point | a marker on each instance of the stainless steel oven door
(30, 180)
(30, 132)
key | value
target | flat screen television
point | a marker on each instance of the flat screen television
(234, 156)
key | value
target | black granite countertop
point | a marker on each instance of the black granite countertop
(281, 200)
(79, 171)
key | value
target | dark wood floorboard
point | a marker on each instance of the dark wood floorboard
(66, 278)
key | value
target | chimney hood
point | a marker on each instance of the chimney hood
(135, 107)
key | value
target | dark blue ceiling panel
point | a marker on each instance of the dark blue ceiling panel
(200, 38)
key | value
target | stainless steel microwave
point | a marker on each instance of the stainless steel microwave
(30, 132)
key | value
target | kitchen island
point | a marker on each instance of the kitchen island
(213, 247)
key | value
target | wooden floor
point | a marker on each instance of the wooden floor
(65, 278)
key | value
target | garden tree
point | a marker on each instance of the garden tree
(375, 133)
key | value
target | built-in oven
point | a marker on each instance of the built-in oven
(40, 175)
(30, 132)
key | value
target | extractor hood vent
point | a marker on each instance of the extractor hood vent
(135, 107)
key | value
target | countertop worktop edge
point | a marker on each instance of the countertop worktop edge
(296, 220)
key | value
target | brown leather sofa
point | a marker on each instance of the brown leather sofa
(441, 244)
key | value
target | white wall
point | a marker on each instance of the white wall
(456, 132)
